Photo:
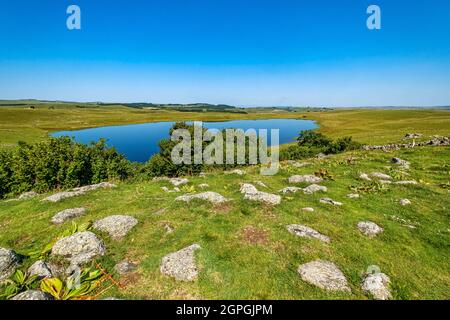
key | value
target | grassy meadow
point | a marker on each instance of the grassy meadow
(246, 251)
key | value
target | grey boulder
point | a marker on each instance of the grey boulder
(68, 214)
(181, 265)
(210, 196)
(9, 260)
(79, 248)
(377, 284)
(32, 295)
(309, 178)
(40, 269)
(306, 232)
(116, 226)
(369, 228)
(324, 274)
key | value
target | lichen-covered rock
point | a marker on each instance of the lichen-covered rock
(307, 178)
(181, 264)
(78, 191)
(79, 248)
(9, 260)
(308, 209)
(68, 214)
(40, 269)
(28, 195)
(405, 202)
(306, 232)
(248, 188)
(268, 198)
(381, 176)
(116, 226)
(125, 267)
(290, 190)
(179, 181)
(377, 284)
(369, 228)
(32, 295)
(365, 176)
(210, 196)
(330, 201)
(324, 274)
(314, 188)
(400, 162)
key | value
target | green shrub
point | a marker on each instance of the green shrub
(342, 145)
(59, 163)
(310, 138)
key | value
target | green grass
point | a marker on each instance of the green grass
(365, 125)
(417, 260)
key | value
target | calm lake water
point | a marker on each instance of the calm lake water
(138, 142)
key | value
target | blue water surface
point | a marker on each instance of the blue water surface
(138, 142)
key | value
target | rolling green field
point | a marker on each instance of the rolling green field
(246, 251)
(371, 126)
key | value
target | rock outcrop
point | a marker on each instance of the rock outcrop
(324, 274)
(116, 226)
(181, 265)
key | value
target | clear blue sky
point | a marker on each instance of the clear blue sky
(241, 52)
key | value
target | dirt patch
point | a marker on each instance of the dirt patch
(129, 279)
(254, 235)
(224, 207)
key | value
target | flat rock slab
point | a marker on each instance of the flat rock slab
(181, 264)
(210, 196)
(314, 188)
(324, 274)
(68, 214)
(379, 175)
(308, 209)
(178, 181)
(306, 232)
(377, 285)
(288, 190)
(32, 295)
(248, 188)
(353, 196)
(79, 248)
(407, 182)
(77, 191)
(116, 226)
(330, 201)
(28, 195)
(365, 176)
(369, 228)
(264, 197)
(40, 269)
(309, 178)
(9, 260)
(125, 267)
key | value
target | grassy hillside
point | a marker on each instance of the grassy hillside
(247, 253)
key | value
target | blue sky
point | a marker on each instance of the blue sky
(246, 52)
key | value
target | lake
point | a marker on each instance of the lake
(138, 142)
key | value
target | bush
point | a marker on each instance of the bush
(310, 138)
(342, 145)
(59, 163)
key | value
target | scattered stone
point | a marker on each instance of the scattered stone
(265, 197)
(380, 175)
(67, 214)
(321, 156)
(330, 201)
(314, 188)
(168, 228)
(181, 264)
(403, 163)
(248, 188)
(40, 269)
(324, 274)
(412, 135)
(369, 229)
(377, 284)
(407, 182)
(239, 172)
(79, 248)
(203, 186)
(167, 190)
(179, 181)
(9, 260)
(116, 226)
(77, 191)
(202, 175)
(405, 202)
(290, 190)
(125, 267)
(27, 195)
(212, 197)
(308, 209)
(385, 181)
(306, 232)
(436, 141)
(309, 178)
(365, 176)
(353, 196)
(32, 295)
